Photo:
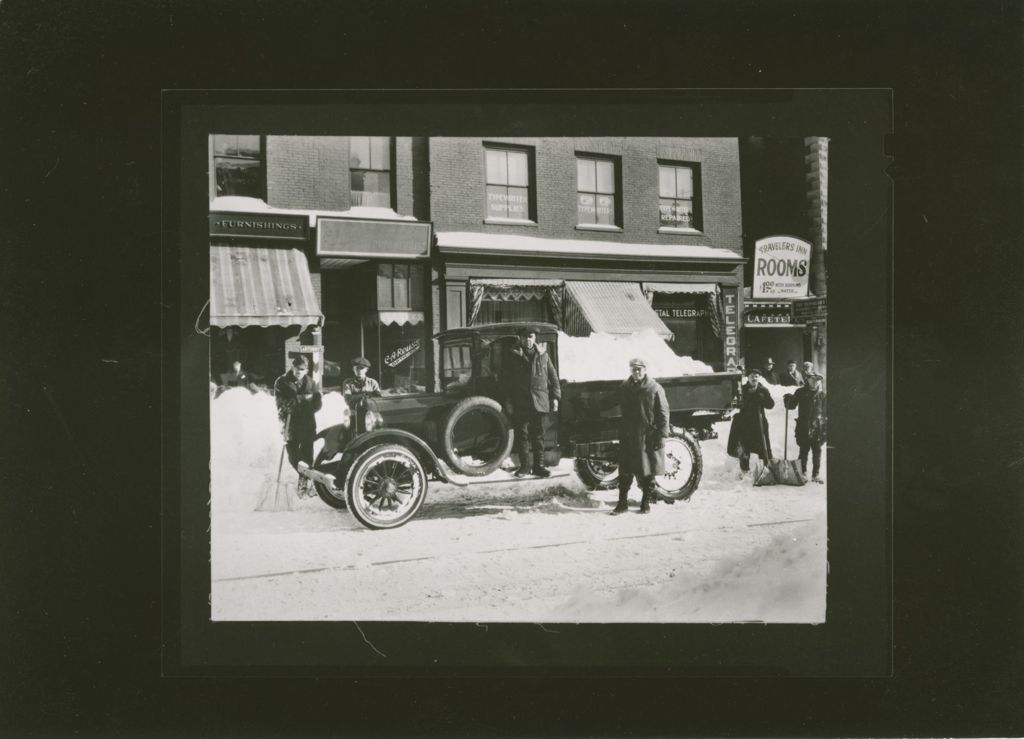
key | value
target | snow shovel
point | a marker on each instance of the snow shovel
(275, 497)
(783, 471)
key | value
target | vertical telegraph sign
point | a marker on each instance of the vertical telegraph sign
(782, 267)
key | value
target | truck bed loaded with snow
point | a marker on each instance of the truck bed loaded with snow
(378, 465)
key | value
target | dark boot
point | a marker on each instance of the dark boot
(540, 470)
(623, 505)
(645, 501)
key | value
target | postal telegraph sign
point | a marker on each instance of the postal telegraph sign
(782, 266)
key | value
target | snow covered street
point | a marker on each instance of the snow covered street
(532, 550)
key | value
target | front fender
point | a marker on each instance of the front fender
(397, 436)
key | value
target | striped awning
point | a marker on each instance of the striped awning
(617, 308)
(251, 286)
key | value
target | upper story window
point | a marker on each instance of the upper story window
(370, 168)
(508, 180)
(238, 166)
(596, 192)
(400, 286)
(679, 196)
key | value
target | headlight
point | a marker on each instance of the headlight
(374, 420)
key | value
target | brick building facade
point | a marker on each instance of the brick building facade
(410, 236)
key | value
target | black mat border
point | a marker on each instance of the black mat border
(855, 641)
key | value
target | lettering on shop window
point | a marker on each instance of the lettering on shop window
(681, 312)
(395, 358)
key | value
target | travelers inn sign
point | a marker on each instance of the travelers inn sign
(782, 266)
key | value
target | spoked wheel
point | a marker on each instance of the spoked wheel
(683, 467)
(597, 474)
(386, 486)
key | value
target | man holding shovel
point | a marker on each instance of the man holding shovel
(749, 431)
(811, 422)
(298, 399)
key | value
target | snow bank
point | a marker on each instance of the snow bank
(246, 441)
(606, 357)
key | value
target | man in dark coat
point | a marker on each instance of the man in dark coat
(791, 377)
(642, 432)
(749, 432)
(769, 373)
(531, 390)
(298, 398)
(811, 422)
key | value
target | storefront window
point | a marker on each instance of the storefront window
(678, 190)
(504, 311)
(238, 165)
(370, 170)
(508, 184)
(595, 191)
(689, 318)
(402, 359)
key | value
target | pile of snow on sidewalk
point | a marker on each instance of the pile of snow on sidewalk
(606, 357)
(246, 440)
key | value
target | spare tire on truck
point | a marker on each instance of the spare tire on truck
(477, 436)
(684, 465)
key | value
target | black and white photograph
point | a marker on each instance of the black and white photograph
(518, 379)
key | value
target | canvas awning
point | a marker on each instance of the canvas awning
(251, 286)
(394, 318)
(618, 308)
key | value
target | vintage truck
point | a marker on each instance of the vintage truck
(378, 465)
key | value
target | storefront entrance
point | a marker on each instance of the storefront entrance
(781, 343)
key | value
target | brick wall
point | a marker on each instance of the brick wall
(457, 187)
(312, 172)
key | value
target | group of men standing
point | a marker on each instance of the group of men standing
(749, 432)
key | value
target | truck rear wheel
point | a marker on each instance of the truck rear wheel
(386, 487)
(596, 474)
(477, 437)
(684, 465)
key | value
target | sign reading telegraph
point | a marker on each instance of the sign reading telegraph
(781, 267)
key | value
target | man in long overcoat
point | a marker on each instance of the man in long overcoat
(531, 391)
(298, 398)
(811, 422)
(642, 432)
(749, 432)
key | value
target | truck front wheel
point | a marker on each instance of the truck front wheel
(386, 486)
(684, 465)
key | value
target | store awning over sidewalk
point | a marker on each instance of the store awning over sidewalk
(618, 308)
(252, 286)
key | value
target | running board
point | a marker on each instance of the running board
(321, 477)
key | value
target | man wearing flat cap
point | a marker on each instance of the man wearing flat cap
(531, 390)
(749, 431)
(360, 383)
(298, 398)
(811, 421)
(642, 431)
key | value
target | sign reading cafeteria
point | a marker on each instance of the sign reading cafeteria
(782, 266)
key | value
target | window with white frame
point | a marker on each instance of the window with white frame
(679, 195)
(508, 179)
(370, 171)
(596, 186)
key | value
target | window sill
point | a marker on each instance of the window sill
(509, 222)
(598, 227)
(674, 230)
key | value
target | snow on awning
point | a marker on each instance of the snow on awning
(617, 308)
(394, 318)
(678, 288)
(252, 286)
(474, 243)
